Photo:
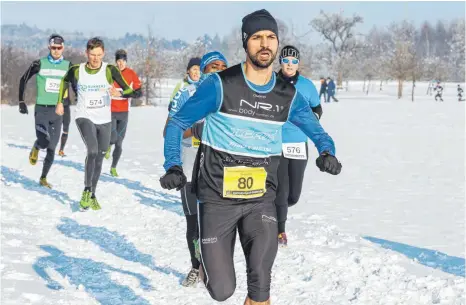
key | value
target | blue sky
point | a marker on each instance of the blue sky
(188, 20)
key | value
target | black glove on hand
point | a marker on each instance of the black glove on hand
(23, 108)
(173, 178)
(328, 163)
(317, 111)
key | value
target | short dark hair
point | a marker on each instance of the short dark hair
(95, 42)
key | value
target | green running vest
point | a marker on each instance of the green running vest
(48, 81)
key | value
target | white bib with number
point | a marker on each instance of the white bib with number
(96, 102)
(93, 96)
(52, 85)
(294, 150)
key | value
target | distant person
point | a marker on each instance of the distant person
(120, 109)
(439, 90)
(50, 70)
(460, 94)
(323, 89)
(193, 74)
(331, 90)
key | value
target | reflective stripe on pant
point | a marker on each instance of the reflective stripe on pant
(257, 228)
(96, 137)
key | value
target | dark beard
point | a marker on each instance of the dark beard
(254, 59)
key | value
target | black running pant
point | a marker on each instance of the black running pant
(119, 124)
(290, 184)
(66, 126)
(96, 137)
(189, 202)
(257, 228)
(48, 127)
(324, 93)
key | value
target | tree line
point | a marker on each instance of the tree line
(401, 52)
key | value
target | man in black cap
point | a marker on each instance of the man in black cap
(235, 173)
(120, 109)
(50, 70)
(193, 73)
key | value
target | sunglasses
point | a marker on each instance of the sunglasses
(56, 48)
(293, 61)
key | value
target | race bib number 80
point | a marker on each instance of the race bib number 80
(294, 151)
(95, 102)
(52, 85)
(244, 182)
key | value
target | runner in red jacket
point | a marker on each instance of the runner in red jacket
(120, 110)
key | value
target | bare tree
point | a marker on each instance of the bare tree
(14, 62)
(457, 49)
(150, 61)
(339, 31)
(403, 52)
(232, 46)
(417, 72)
(373, 57)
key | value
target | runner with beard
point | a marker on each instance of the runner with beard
(235, 174)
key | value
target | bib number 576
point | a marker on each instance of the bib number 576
(293, 150)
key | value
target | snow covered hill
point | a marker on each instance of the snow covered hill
(388, 230)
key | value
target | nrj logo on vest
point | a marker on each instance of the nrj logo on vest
(92, 88)
(250, 108)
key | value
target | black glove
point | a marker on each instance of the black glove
(328, 163)
(23, 108)
(317, 111)
(173, 178)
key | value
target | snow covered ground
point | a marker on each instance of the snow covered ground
(388, 230)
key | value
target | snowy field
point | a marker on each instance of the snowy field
(388, 230)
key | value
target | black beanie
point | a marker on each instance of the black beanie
(56, 39)
(255, 22)
(121, 54)
(289, 51)
(195, 61)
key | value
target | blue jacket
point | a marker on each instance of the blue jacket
(331, 88)
(291, 133)
(207, 100)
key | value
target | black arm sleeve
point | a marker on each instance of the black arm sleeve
(318, 110)
(197, 129)
(34, 68)
(127, 90)
(137, 93)
(67, 81)
(67, 100)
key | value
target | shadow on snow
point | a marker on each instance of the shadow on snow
(13, 176)
(168, 202)
(111, 242)
(430, 258)
(94, 276)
